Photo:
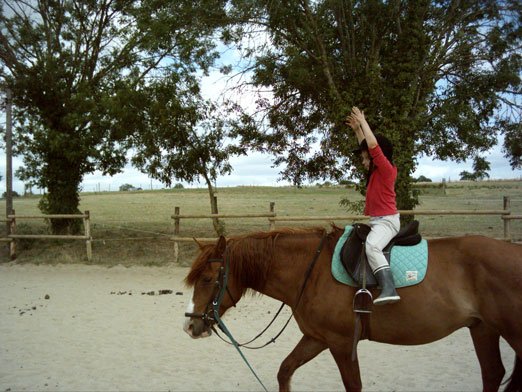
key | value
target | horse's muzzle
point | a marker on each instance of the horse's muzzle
(196, 326)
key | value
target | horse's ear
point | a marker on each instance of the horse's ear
(221, 245)
(197, 242)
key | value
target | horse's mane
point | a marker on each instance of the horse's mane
(250, 255)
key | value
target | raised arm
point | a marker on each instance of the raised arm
(356, 126)
(358, 116)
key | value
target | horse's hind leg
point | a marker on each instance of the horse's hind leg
(306, 350)
(486, 342)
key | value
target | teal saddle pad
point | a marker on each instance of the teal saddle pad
(408, 263)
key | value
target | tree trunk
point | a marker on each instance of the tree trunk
(219, 226)
(406, 197)
(62, 183)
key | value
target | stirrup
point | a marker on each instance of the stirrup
(362, 301)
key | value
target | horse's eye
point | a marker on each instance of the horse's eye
(207, 279)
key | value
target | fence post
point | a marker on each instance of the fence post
(87, 227)
(176, 234)
(271, 223)
(12, 230)
(507, 222)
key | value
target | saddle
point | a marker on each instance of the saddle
(353, 254)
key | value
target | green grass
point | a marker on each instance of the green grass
(134, 227)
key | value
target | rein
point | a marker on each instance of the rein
(221, 324)
(273, 340)
(244, 345)
(222, 287)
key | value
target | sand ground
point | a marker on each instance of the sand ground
(92, 328)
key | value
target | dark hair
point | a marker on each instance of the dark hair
(383, 142)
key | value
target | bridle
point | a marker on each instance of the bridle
(211, 315)
(220, 287)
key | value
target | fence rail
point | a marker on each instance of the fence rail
(509, 217)
(230, 216)
(402, 212)
(505, 215)
(50, 236)
(271, 216)
(50, 216)
(13, 236)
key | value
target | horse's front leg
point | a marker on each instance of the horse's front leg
(349, 369)
(306, 350)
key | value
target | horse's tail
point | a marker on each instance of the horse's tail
(514, 383)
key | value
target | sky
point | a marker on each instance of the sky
(257, 169)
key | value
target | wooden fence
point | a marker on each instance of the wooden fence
(272, 219)
(505, 215)
(13, 236)
(12, 245)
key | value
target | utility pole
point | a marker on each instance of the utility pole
(9, 158)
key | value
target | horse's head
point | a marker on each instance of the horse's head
(207, 277)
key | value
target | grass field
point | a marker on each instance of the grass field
(134, 227)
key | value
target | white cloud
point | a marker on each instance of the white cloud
(437, 170)
(256, 170)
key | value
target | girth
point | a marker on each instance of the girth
(353, 249)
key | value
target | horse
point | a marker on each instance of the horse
(472, 281)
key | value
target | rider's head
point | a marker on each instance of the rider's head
(386, 147)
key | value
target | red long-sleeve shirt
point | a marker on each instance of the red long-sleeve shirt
(380, 193)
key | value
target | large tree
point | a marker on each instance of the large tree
(78, 69)
(440, 78)
(183, 137)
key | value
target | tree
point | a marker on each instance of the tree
(14, 193)
(440, 78)
(127, 188)
(422, 179)
(186, 147)
(480, 170)
(77, 70)
(466, 176)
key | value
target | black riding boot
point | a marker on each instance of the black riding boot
(388, 293)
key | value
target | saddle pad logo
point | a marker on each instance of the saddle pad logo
(412, 276)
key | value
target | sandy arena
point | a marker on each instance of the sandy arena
(92, 328)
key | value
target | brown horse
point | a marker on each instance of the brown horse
(472, 281)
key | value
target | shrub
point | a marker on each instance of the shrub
(127, 187)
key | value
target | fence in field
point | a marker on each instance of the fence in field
(271, 216)
(505, 215)
(12, 236)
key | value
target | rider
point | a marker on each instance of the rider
(377, 157)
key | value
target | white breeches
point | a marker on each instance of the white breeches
(384, 228)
